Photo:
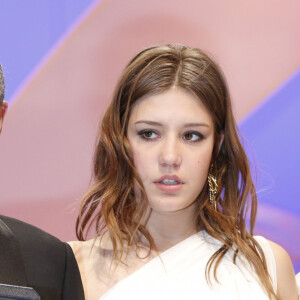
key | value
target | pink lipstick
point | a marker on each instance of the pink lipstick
(169, 183)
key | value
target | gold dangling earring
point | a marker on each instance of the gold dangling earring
(213, 188)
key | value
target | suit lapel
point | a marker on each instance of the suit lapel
(12, 270)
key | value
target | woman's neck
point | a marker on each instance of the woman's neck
(169, 228)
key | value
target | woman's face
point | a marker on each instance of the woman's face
(172, 137)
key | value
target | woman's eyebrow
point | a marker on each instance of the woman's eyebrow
(196, 125)
(148, 122)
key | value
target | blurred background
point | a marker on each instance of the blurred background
(62, 58)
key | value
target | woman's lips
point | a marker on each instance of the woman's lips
(169, 187)
(165, 183)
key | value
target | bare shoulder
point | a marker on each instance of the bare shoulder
(93, 258)
(81, 248)
(286, 282)
(91, 251)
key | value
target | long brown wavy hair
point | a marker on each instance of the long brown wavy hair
(110, 203)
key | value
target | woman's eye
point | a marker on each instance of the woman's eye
(193, 136)
(148, 134)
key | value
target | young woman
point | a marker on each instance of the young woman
(172, 190)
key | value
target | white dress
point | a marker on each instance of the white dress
(179, 273)
(298, 283)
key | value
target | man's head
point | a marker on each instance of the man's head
(3, 104)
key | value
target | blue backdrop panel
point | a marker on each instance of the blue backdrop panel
(28, 30)
(272, 134)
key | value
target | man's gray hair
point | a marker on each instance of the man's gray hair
(2, 85)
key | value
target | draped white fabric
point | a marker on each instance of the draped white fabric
(298, 283)
(179, 273)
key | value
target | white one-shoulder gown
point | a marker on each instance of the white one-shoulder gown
(179, 274)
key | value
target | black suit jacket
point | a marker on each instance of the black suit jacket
(31, 257)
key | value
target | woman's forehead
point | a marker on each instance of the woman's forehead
(171, 106)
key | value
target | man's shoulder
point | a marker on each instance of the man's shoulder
(17, 226)
(49, 264)
(27, 234)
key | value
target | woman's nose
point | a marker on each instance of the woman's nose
(170, 154)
